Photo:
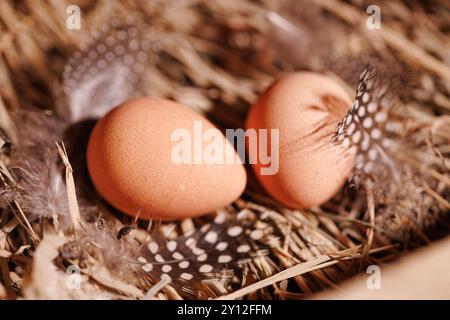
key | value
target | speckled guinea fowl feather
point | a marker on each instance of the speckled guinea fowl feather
(215, 250)
(370, 129)
(109, 69)
(374, 131)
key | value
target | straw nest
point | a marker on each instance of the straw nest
(216, 56)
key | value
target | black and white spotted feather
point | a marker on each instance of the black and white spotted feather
(370, 130)
(374, 131)
(109, 69)
(215, 251)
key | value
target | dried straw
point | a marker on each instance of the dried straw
(217, 56)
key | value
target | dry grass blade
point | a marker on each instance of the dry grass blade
(436, 196)
(296, 270)
(103, 276)
(8, 227)
(15, 256)
(74, 210)
(23, 220)
(151, 294)
(371, 211)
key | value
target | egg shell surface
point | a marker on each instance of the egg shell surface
(130, 162)
(306, 108)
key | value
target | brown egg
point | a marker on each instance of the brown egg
(137, 161)
(305, 107)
